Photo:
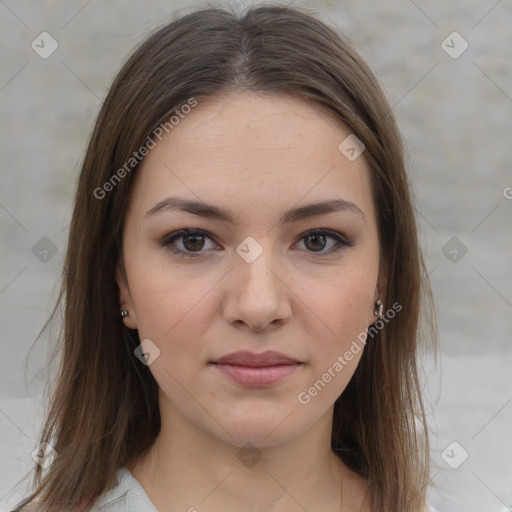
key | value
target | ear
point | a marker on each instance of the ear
(380, 289)
(125, 299)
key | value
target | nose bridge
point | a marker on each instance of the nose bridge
(257, 295)
(255, 265)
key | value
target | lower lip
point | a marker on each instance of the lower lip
(257, 375)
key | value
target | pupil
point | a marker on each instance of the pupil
(197, 242)
(315, 239)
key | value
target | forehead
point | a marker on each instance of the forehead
(248, 148)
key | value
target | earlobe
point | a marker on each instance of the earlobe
(377, 310)
(382, 281)
(126, 310)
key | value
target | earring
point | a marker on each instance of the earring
(379, 308)
(123, 313)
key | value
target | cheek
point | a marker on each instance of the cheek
(343, 307)
(172, 305)
(174, 315)
(337, 341)
(166, 293)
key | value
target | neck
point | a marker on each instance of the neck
(189, 469)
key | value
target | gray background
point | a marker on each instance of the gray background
(455, 117)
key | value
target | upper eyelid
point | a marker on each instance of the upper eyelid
(176, 235)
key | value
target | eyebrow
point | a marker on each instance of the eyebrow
(217, 213)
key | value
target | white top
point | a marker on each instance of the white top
(127, 496)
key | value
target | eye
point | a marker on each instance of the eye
(191, 242)
(186, 242)
(317, 240)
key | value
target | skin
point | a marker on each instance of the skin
(257, 156)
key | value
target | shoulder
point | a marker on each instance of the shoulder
(116, 499)
(126, 496)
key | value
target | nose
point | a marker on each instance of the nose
(257, 296)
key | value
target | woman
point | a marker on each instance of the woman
(242, 286)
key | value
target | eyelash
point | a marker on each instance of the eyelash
(172, 237)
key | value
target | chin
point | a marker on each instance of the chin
(260, 430)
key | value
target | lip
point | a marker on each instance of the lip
(247, 358)
(257, 370)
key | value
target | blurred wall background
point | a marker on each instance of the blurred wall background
(446, 68)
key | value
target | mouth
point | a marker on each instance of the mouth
(256, 370)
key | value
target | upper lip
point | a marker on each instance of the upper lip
(246, 358)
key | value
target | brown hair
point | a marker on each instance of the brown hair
(104, 410)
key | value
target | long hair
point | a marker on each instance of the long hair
(103, 412)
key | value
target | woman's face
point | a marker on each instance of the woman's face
(284, 257)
